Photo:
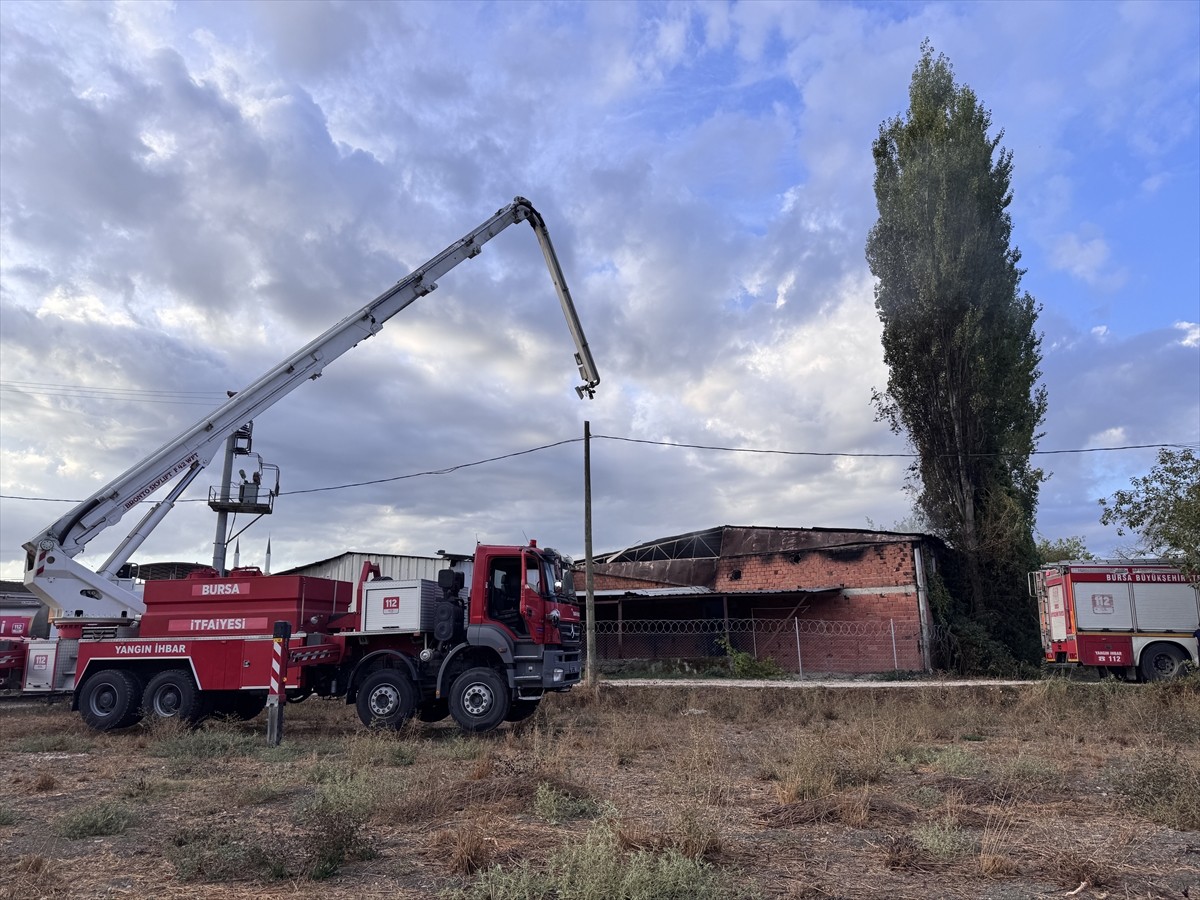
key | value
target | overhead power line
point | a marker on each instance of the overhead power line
(608, 437)
(128, 395)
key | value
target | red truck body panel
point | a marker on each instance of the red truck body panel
(244, 605)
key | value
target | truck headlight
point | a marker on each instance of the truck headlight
(556, 675)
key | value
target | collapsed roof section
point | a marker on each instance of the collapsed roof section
(691, 559)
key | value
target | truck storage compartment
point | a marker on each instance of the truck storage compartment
(403, 606)
(249, 604)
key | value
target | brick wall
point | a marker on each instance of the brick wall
(878, 585)
(858, 566)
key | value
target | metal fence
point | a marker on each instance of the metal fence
(795, 644)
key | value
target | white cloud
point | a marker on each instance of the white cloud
(1088, 259)
(192, 191)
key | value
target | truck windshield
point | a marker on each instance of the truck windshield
(559, 576)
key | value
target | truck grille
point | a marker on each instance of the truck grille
(569, 632)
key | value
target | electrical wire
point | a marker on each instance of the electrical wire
(608, 437)
(29, 389)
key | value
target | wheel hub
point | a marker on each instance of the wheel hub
(384, 700)
(167, 703)
(104, 701)
(477, 699)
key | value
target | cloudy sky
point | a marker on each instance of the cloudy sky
(189, 192)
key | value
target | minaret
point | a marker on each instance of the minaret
(237, 553)
(267, 567)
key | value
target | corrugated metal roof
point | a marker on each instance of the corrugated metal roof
(348, 567)
(655, 592)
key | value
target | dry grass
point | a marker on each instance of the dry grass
(674, 791)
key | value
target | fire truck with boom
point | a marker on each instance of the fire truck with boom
(498, 629)
(1134, 619)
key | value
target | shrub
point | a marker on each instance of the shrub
(216, 854)
(8, 815)
(745, 665)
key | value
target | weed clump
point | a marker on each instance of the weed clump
(330, 821)
(1166, 788)
(557, 806)
(596, 868)
(96, 820)
(214, 854)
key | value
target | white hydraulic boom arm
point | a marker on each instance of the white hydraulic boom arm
(62, 583)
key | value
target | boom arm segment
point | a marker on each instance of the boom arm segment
(60, 582)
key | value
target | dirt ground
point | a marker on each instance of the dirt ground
(997, 791)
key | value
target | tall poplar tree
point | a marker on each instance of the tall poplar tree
(959, 340)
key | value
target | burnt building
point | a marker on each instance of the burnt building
(830, 600)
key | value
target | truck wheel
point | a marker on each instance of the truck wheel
(479, 700)
(112, 698)
(522, 710)
(433, 711)
(1161, 661)
(173, 695)
(386, 699)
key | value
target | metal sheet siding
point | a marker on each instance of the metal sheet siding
(1166, 607)
(348, 567)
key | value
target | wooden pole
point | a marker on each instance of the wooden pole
(589, 574)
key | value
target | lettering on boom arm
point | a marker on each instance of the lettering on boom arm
(182, 466)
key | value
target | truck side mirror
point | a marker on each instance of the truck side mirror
(451, 580)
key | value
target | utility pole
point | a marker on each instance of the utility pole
(222, 513)
(589, 574)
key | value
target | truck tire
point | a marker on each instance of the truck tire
(479, 700)
(1161, 661)
(386, 699)
(112, 698)
(520, 710)
(433, 711)
(173, 695)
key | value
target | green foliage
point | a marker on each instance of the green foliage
(557, 806)
(959, 339)
(330, 821)
(596, 868)
(58, 742)
(8, 815)
(185, 745)
(745, 665)
(1163, 508)
(1166, 787)
(209, 853)
(943, 840)
(96, 819)
(1062, 550)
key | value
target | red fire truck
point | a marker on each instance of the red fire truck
(1131, 619)
(483, 653)
(483, 643)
